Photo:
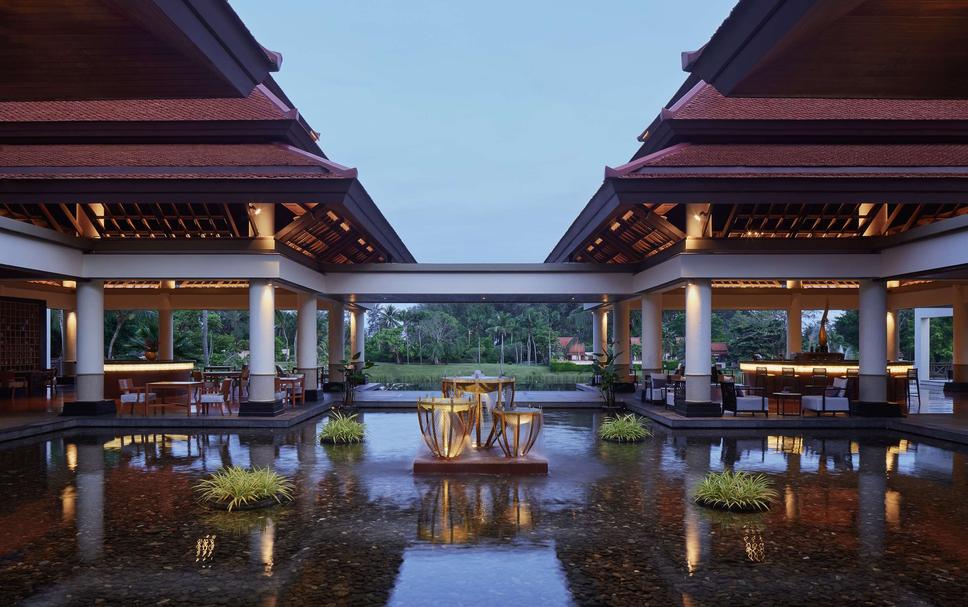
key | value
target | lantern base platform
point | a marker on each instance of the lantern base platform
(479, 461)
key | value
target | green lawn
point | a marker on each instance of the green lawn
(428, 376)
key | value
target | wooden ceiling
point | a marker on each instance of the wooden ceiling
(327, 236)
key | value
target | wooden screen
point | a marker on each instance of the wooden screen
(23, 334)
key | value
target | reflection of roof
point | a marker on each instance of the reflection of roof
(777, 160)
(261, 104)
(165, 161)
(704, 102)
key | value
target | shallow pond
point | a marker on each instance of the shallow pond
(110, 518)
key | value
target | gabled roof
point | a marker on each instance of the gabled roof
(166, 161)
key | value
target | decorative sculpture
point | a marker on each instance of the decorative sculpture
(517, 430)
(822, 336)
(446, 424)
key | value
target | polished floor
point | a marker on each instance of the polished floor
(109, 517)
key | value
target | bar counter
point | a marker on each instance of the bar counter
(144, 371)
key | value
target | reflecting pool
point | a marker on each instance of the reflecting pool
(106, 517)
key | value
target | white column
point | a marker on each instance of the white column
(959, 332)
(794, 339)
(166, 323)
(70, 342)
(47, 341)
(873, 341)
(621, 336)
(651, 332)
(337, 341)
(358, 334)
(699, 296)
(599, 330)
(262, 364)
(90, 340)
(922, 344)
(892, 339)
(306, 338)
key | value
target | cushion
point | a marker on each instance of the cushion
(212, 398)
(280, 395)
(136, 397)
(750, 403)
(834, 403)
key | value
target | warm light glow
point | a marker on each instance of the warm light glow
(892, 507)
(71, 456)
(332, 216)
(204, 548)
(789, 503)
(344, 226)
(267, 543)
(776, 368)
(128, 367)
(693, 546)
(68, 503)
(615, 226)
(254, 209)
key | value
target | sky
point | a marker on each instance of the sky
(481, 128)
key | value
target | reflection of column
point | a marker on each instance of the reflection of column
(622, 339)
(794, 340)
(90, 501)
(262, 542)
(262, 455)
(695, 527)
(873, 341)
(337, 341)
(871, 494)
(698, 339)
(652, 332)
(262, 368)
(306, 343)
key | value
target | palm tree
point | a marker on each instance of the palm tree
(500, 326)
(387, 316)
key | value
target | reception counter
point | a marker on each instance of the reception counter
(838, 368)
(143, 371)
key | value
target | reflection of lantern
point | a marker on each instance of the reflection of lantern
(517, 430)
(755, 546)
(446, 515)
(204, 548)
(446, 424)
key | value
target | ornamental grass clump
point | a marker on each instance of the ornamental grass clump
(239, 488)
(628, 428)
(735, 491)
(342, 429)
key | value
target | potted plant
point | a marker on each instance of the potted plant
(354, 374)
(150, 345)
(603, 366)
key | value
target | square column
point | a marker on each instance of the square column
(872, 389)
(262, 368)
(651, 333)
(599, 330)
(959, 337)
(699, 350)
(622, 340)
(166, 323)
(306, 343)
(794, 339)
(358, 335)
(337, 341)
(893, 353)
(70, 343)
(90, 352)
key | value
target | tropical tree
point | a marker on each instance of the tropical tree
(500, 327)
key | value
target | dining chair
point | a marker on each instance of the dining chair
(133, 395)
(9, 380)
(222, 397)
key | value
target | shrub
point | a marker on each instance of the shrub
(342, 429)
(735, 491)
(628, 428)
(236, 487)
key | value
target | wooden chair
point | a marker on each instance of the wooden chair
(244, 382)
(912, 379)
(827, 399)
(655, 388)
(222, 397)
(282, 394)
(788, 380)
(10, 381)
(133, 395)
(746, 402)
(50, 381)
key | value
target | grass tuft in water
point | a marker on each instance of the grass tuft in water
(342, 429)
(627, 428)
(237, 486)
(735, 491)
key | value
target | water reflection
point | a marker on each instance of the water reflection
(460, 511)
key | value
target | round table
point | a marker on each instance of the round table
(479, 386)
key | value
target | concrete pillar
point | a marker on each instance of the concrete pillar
(922, 342)
(873, 341)
(47, 340)
(306, 343)
(70, 342)
(166, 323)
(652, 333)
(90, 352)
(892, 336)
(794, 339)
(699, 295)
(337, 341)
(599, 330)
(358, 335)
(262, 364)
(959, 335)
(622, 339)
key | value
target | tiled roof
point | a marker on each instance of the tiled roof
(261, 104)
(165, 161)
(704, 102)
(770, 160)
